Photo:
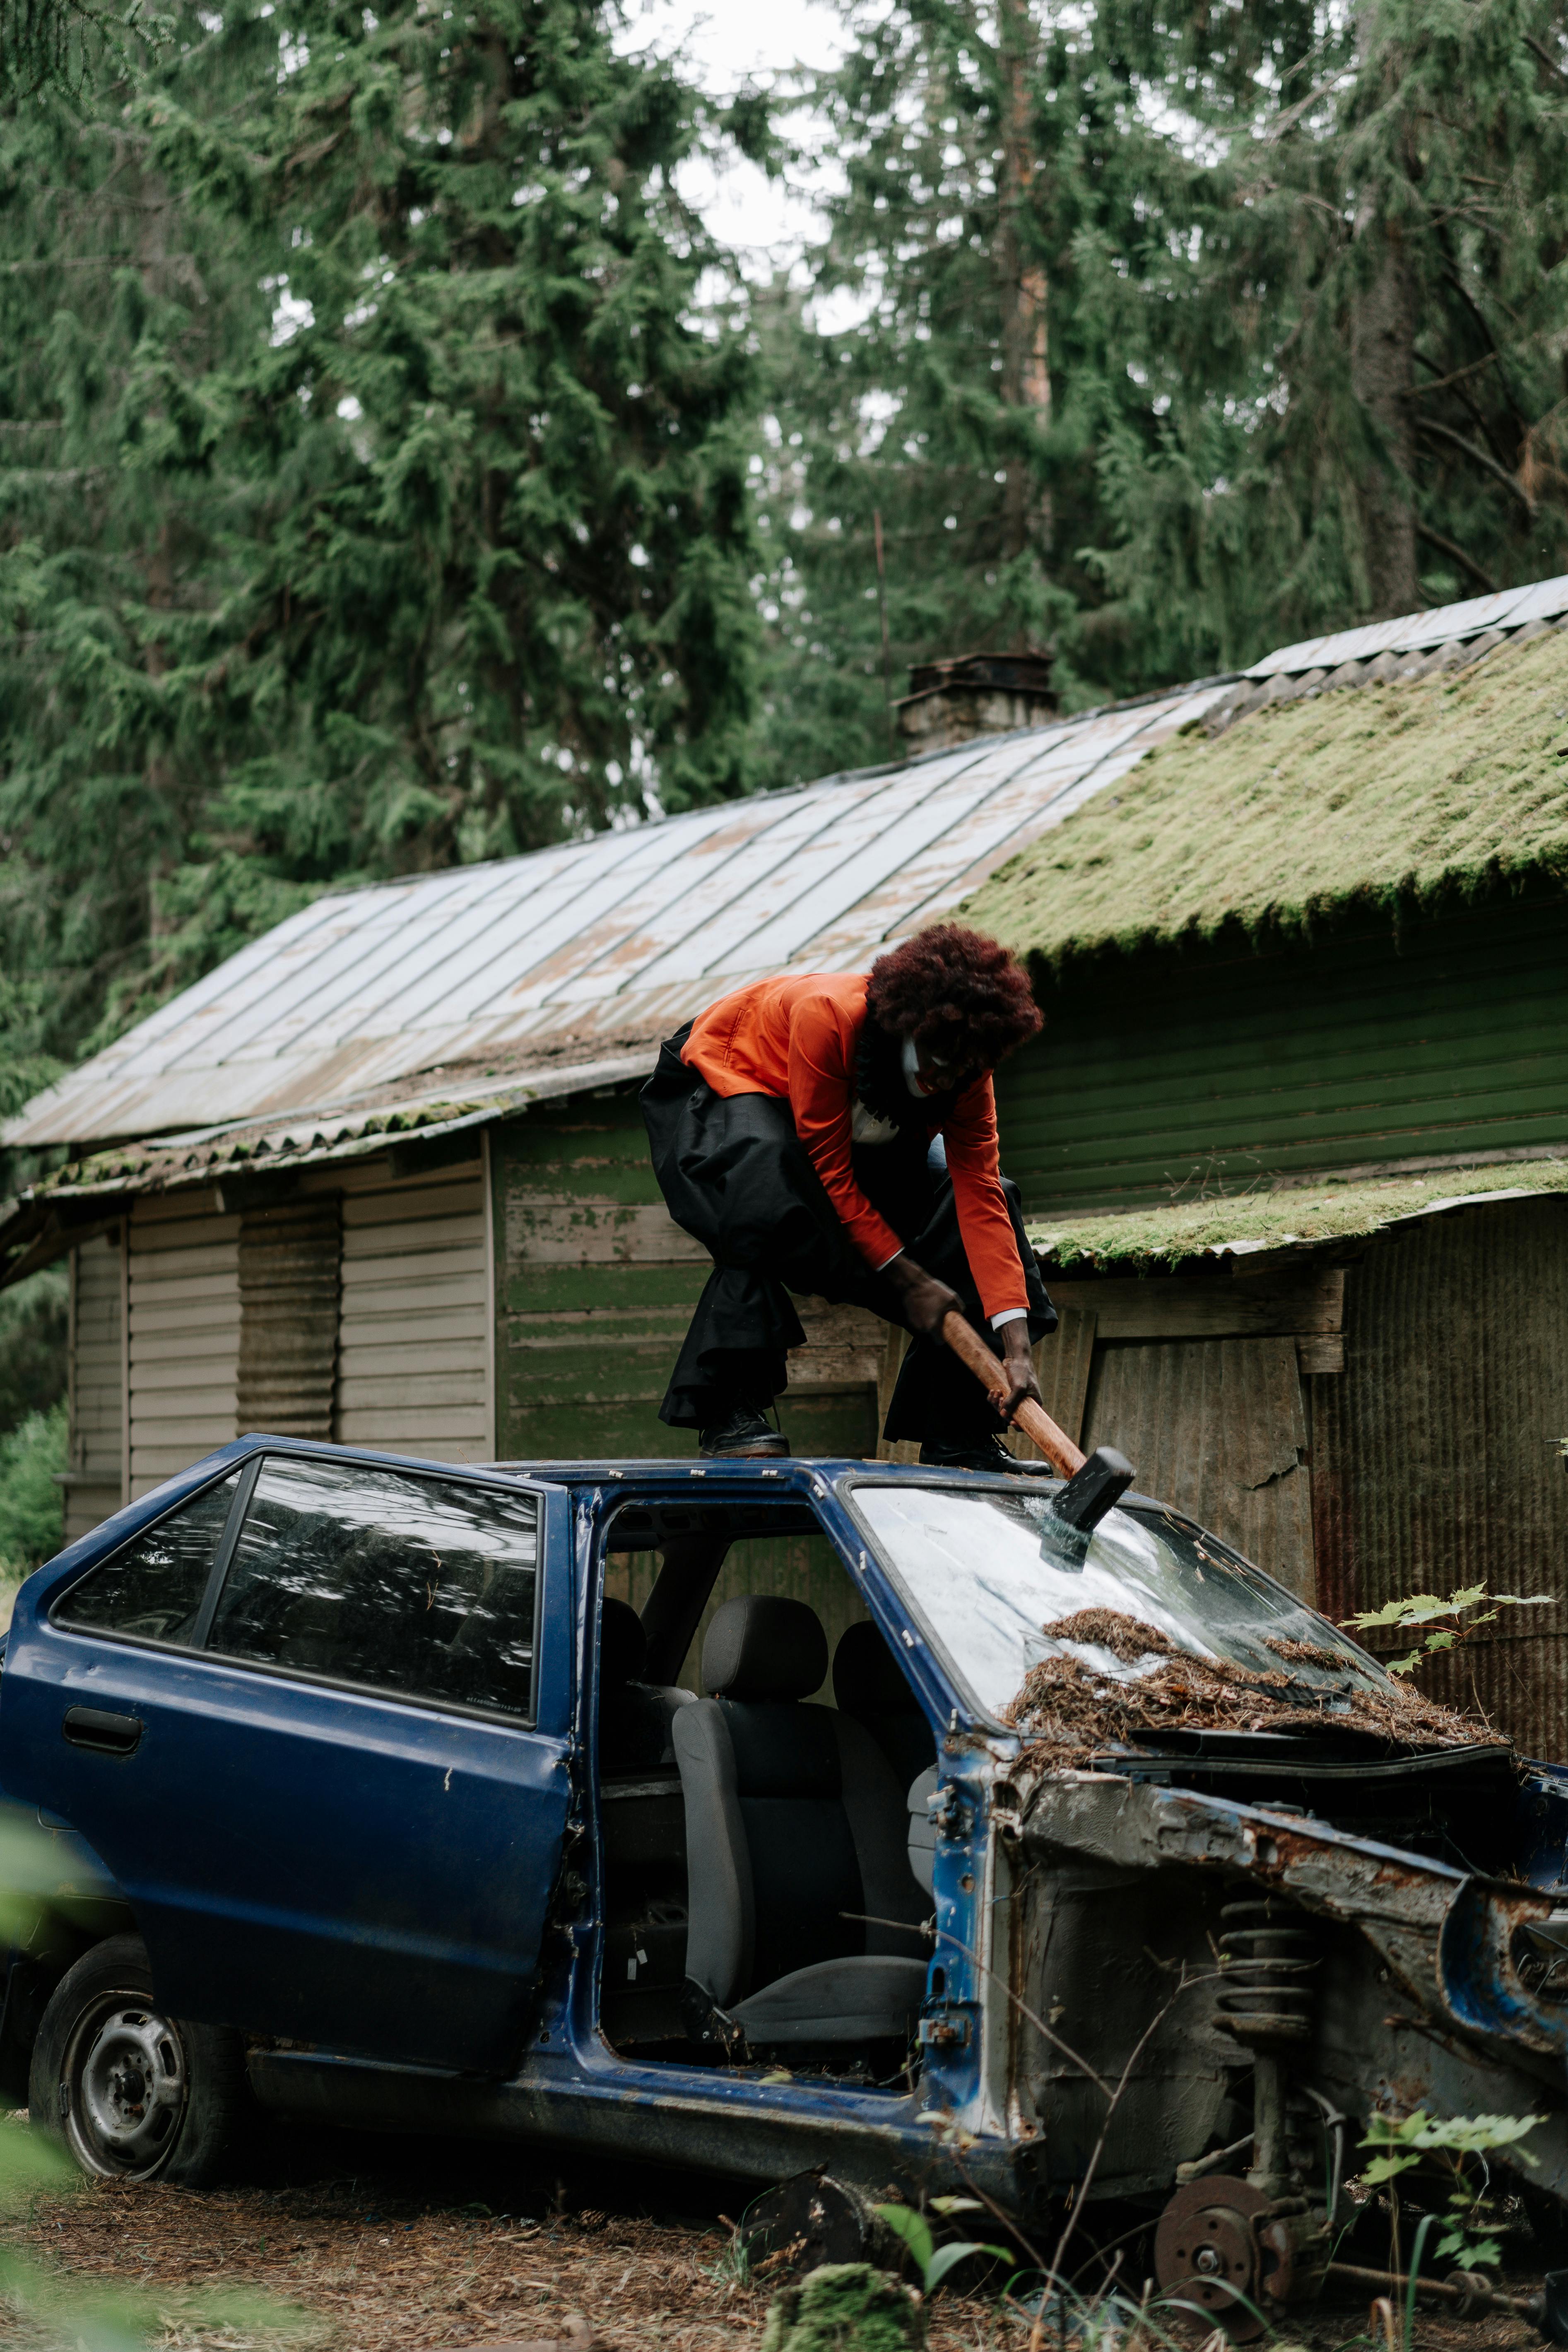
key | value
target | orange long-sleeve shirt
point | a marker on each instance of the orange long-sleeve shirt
(795, 1038)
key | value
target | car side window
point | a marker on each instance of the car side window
(151, 1589)
(420, 1586)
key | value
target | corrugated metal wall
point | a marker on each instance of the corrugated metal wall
(1437, 1457)
(183, 1285)
(1172, 1075)
(412, 1362)
(288, 1307)
(96, 1478)
(596, 1285)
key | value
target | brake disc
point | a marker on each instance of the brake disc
(1207, 2252)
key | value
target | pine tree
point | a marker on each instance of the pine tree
(1185, 332)
(1395, 230)
(371, 497)
(503, 584)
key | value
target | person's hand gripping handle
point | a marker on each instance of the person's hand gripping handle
(1035, 1422)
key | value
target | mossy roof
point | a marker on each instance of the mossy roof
(1327, 1210)
(1398, 794)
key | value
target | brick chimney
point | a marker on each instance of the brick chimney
(948, 702)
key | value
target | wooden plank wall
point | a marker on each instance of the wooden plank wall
(1177, 1073)
(183, 1292)
(412, 1374)
(596, 1286)
(1205, 1382)
(290, 1265)
(95, 1481)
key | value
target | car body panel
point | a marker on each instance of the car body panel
(305, 1861)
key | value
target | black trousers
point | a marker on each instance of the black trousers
(735, 1175)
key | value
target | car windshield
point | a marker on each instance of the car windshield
(987, 1572)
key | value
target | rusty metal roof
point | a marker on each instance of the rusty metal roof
(489, 974)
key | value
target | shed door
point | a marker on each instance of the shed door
(316, 1757)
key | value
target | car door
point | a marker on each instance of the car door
(316, 1724)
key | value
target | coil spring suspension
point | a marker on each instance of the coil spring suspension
(1270, 1957)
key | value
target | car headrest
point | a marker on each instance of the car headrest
(623, 1645)
(762, 1646)
(867, 1678)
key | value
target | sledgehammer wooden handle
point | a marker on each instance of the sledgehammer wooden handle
(1033, 1419)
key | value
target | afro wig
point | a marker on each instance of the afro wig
(961, 996)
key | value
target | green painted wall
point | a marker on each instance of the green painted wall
(594, 1286)
(1171, 1074)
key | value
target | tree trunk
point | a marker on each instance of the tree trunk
(1026, 355)
(1383, 366)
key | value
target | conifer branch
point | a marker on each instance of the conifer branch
(1434, 431)
(1447, 547)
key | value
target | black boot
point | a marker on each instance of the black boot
(980, 1453)
(744, 1430)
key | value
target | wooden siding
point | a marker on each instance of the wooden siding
(289, 1255)
(1218, 1428)
(411, 1334)
(596, 1286)
(95, 1481)
(1438, 1456)
(183, 1287)
(1163, 1077)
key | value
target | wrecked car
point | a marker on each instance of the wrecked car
(1091, 1862)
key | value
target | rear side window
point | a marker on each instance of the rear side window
(152, 1591)
(424, 1587)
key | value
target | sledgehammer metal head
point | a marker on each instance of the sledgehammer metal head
(1092, 1491)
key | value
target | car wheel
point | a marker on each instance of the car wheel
(130, 2092)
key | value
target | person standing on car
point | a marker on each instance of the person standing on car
(833, 1134)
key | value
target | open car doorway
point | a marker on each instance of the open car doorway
(759, 1751)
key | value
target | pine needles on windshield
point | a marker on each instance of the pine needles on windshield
(1070, 1708)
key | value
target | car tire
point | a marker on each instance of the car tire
(128, 2093)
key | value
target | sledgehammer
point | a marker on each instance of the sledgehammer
(1094, 1481)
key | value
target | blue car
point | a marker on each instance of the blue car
(356, 1788)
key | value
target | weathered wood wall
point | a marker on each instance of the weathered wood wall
(596, 1285)
(411, 1373)
(183, 1356)
(95, 1477)
(1168, 1074)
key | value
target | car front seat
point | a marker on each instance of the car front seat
(795, 1839)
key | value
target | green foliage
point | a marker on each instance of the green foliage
(1449, 2143)
(31, 1508)
(845, 2307)
(1300, 273)
(372, 482)
(934, 2261)
(34, 1315)
(1447, 1623)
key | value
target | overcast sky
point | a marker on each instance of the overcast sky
(727, 41)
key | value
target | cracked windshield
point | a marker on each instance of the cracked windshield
(989, 1574)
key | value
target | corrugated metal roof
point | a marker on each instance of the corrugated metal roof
(572, 954)
(1511, 608)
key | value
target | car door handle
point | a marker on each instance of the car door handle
(106, 1734)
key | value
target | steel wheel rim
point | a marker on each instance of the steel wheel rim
(124, 2087)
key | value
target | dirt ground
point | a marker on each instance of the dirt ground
(341, 2245)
